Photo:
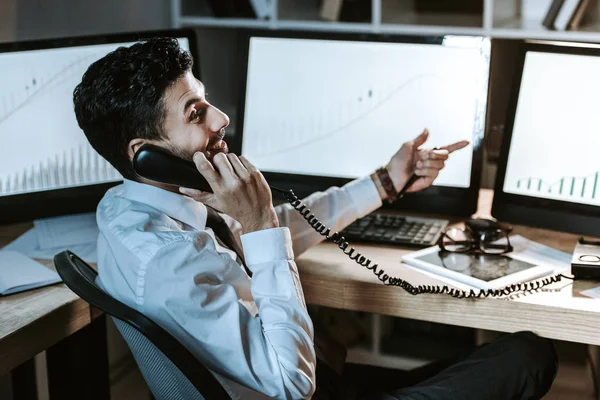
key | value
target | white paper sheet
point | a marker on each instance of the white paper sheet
(64, 231)
(27, 244)
(19, 272)
(544, 255)
(593, 292)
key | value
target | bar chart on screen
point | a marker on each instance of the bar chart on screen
(567, 188)
(554, 144)
(557, 169)
(77, 166)
(41, 144)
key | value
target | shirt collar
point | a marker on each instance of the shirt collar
(176, 206)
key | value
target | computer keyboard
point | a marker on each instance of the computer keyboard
(395, 229)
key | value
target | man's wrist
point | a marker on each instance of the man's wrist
(387, 184)
(259, 224)
(379, 186)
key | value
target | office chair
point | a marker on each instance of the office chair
(169, 369)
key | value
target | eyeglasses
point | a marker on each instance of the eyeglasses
(483, 236)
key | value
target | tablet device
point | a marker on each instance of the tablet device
(480, 271)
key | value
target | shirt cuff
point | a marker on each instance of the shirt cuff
(267, 245)
(364, 195)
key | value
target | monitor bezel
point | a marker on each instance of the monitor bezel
(78, 199)
(534, 211)
(442, 200)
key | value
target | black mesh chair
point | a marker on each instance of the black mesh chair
(169, 369)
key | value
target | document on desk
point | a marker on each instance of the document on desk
(67, 230)
(27, 244)
(19, 273)
(544, 255)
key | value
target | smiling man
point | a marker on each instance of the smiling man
(166, 252)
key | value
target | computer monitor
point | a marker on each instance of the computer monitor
(47, 166)
(549, 165)
(321, 109)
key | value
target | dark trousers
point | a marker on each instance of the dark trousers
(514, 367)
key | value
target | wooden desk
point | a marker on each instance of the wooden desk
(329, 278)
(58, 321)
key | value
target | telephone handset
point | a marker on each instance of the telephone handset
(156, 164)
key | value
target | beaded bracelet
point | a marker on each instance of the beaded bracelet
(388, 186)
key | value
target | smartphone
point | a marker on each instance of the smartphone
(156, 164)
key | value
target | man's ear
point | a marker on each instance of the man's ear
(133, 147)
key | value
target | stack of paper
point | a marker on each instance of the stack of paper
(50, 236)
(542, 254)
(19, 273)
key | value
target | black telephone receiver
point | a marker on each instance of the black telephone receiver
(157, 164)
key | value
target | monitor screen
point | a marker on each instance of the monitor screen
(548, 170)
(325, 107)
(41, 145)
(553, 153)
(47, 166)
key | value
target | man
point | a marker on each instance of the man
(158, 252)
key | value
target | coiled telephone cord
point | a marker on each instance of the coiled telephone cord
(380, 273)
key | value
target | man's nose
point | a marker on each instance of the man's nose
(218, 121)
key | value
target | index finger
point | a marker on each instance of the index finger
(249, 166)
(205, 168)
(456, 146)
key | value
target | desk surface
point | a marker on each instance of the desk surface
(330, 278)
(34, 320)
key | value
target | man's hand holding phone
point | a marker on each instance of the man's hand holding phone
(240, 190)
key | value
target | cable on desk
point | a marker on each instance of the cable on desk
(338, 239)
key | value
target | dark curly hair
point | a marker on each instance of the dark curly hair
(120, 97)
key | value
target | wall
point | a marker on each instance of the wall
(8, 12)
(38, 19)
(218, 50)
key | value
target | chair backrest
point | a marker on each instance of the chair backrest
(170, 370)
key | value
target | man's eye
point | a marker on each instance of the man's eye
(195, 115)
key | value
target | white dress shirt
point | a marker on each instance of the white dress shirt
(156, 255)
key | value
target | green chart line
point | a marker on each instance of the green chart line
(562, 180)
(560, 186)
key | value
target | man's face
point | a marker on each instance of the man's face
(191, 123)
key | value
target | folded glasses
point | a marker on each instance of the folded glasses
(479, 236)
